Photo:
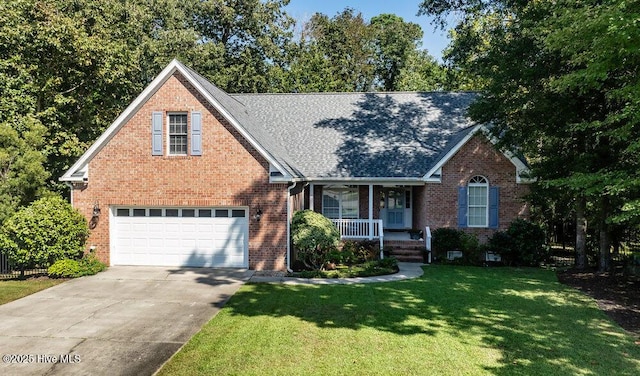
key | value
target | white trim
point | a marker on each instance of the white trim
(130, 111)
(486, 206)
(435, 174)
(431, 174)
(365, 181)
(168, 132)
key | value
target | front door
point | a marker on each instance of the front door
(395, 200)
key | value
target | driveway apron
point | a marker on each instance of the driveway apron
(124, 321)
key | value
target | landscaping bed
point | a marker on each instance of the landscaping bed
(618, 297)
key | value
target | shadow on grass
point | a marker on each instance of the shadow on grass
(538, 326)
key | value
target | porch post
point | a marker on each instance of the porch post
(311, 197)
(371, 212)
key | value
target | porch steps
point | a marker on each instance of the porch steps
(406, 250)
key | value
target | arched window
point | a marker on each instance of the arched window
(478, 202)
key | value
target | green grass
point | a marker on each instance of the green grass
(16, 289)
(452, 321)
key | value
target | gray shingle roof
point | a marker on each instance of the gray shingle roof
(368, 135)
(239, 111)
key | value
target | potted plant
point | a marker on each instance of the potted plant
(415, 234)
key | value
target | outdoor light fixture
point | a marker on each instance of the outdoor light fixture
(258, 215)
(96, 210)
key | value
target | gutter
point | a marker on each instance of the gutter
(295, 183)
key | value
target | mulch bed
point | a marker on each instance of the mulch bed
(618, 297)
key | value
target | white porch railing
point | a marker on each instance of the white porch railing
(360, 229)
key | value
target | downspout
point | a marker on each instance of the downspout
(295, 183)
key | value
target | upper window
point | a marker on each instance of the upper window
(340, 203)
(178, 134)
(478, 202)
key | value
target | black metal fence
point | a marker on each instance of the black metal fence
(625, 262)
(7, 272)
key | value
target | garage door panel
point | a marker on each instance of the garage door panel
(181, 241)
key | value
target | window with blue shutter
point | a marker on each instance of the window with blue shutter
(156, 133)
(196, 133)
(478, 204)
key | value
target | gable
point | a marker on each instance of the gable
(216, 98)
(461, 148)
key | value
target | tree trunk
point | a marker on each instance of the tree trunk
(605, 240)
(581, 233)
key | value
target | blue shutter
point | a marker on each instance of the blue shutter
(156, 133)
(462, 206)
(196, 133)
(494, 201)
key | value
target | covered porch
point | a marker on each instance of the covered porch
(367, 210)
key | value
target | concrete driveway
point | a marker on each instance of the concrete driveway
(124, 321)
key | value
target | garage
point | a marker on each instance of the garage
(198, 237)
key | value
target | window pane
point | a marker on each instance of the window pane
(477, 196)
(237, 213)
(177, 133)
(139, 212)
(188, 212)
(477, 216)
(122, 212)
(204, 213)
(155, 212)
(171, 212)
(222, 213)
(331, 204)
(340, 203)
(350, 204)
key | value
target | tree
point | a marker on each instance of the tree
(560, 84)
(345, 41)
(394, 42)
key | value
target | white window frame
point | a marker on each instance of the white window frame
(475, 183)
(170, 134)
(342, 197)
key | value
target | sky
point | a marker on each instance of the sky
(434, 40)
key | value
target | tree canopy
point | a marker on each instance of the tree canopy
(561, 85)
(69, 67)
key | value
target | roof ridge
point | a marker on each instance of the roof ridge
(357, 93)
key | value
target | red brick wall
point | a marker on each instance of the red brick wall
(230, 172)
(436, 204)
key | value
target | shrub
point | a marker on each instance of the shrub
(68, 268)
(450, 239)
(65, 268)
(388, 262)
(314, 235)
(445, 239)
(46, 231)
(522, 244)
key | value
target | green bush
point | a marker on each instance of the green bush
(388, 262)
(68, 268)
(450, 239)
(46, 231)
(65, 268)
(314, 236)
(522, 244)
(445, 239)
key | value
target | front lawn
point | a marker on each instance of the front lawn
(452, 321)
(15, 289)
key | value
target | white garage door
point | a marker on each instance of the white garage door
(203, 237)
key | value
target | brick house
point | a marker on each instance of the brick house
(189, 175)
